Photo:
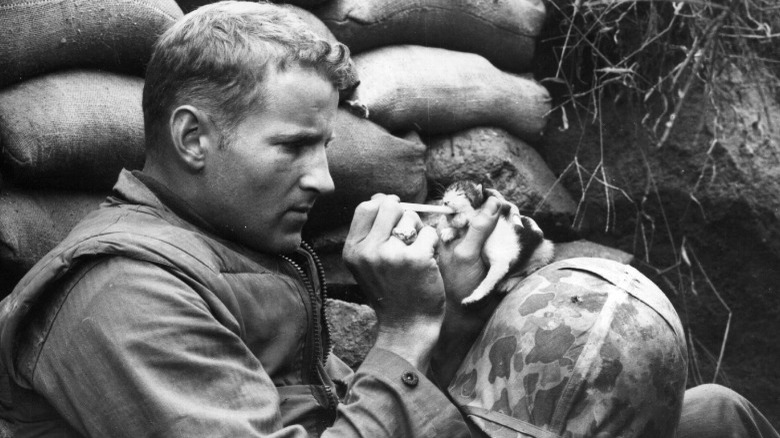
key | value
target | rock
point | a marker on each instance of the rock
(352, 330)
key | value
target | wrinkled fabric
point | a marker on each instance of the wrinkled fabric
(714, 411)
(580, 348)
(141, 324)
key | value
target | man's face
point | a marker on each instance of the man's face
(262, 185)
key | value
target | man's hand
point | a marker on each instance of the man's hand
(403, 282)
(461, 261)
(462, 269)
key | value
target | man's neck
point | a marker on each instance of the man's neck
(172, 200)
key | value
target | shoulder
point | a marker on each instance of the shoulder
(105, 299)
(148, 234)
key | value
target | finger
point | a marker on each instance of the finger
(363, 220)
(410, 220)
(407, 226)
(426, 238)
(386, 218)
(480, 227)
(379, 196)
(496, 193)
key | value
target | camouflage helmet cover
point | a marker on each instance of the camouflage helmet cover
(581, 348)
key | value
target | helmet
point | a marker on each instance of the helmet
(583, 347)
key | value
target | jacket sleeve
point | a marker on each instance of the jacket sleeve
(390, 397)
(133, 351)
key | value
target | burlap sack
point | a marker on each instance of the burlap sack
(74, 129)
(191, 5)
(117, 35)
(32, 222)
(513, 168)
(504, 32)
(440, 91)
(365, 159)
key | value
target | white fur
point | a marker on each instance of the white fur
(500, 251)
(502, 247)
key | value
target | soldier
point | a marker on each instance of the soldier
(188, 306)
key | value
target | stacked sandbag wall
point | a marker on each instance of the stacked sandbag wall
(71, 78)
(444, 93)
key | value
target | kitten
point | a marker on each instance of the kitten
(516, 247)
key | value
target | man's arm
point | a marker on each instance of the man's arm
(134, 351)
(405, 287)
(402, 282)
(463, 269)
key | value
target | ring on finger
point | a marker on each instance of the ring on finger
(407, 236)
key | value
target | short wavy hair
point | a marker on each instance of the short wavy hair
(218, 57)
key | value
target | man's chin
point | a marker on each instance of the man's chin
(285, 244)
(277, 243)
(289, 247)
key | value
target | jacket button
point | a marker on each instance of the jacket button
(410, 379)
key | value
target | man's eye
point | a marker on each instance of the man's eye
(294, 145)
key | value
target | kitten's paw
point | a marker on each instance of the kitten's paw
(475, 296)
(459, 221)
(447, 235)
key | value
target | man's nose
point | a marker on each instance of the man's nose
(317, 177)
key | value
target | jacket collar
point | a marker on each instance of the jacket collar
(163, 197)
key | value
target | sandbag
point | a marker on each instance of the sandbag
(116, 35)
(512, 167)
(365, 159)
(32, 222)
(504, 32)
(191, 5)
(71, 129)
(442, 91)
(302, 3)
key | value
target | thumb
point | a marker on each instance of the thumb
(481, 226)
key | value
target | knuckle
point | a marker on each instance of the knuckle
(367, 207)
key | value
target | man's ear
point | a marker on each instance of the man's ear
(193, 136)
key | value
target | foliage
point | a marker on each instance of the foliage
(657, 50)
(656, 54)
